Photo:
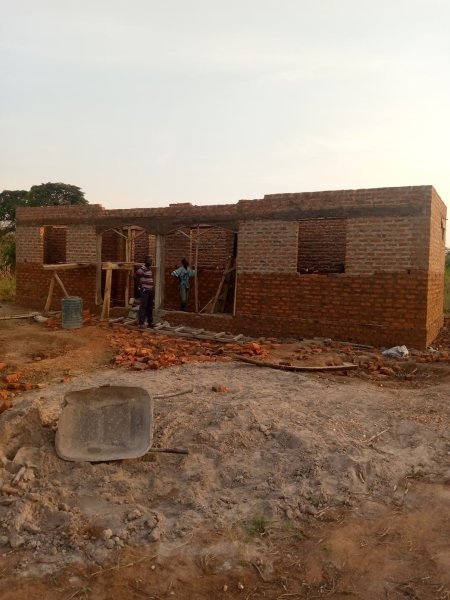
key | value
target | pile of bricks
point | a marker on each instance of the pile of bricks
(144, 351)
(10, 384)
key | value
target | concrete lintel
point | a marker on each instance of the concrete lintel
(163, 225)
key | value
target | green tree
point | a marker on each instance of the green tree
(9, 201)
(45, 194)
(8, 250)
(55, 194)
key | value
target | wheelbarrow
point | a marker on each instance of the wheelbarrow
(107, 423)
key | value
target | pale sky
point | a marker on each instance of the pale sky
(145, 102)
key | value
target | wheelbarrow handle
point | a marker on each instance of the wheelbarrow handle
(170, 450)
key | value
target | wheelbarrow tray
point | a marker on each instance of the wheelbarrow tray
(105, 423)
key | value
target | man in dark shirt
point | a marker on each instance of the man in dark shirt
(144, 279)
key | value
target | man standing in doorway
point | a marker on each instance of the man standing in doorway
(144, 279)
(184, 273)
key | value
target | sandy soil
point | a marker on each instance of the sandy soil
(297, 486)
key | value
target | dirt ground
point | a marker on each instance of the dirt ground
(297, 485)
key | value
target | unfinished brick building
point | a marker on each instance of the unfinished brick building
(359, 265)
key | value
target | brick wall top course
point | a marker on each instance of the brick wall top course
(414, 200)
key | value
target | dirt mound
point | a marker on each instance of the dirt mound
(39, 357)
(277, 448)
(40, 346)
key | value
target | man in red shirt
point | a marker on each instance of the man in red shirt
(144, 279)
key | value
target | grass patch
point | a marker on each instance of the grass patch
(257, 526)
(7, 284)
(416, 472)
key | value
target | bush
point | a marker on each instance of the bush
(7, 284)
(8, 251)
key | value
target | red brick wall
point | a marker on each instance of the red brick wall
(348, 308)
(268, 246)
(33, 283)
(322, 245)
(215, 248)
(177, 246)
(143, 246)
(81, 243)
(30, 244)
(391, 291)
(388, 244)
(356, 309)
(436, 266)
(112, 247)
(271, 206)
(382, 297)
(55, 240)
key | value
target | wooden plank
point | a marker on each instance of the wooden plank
(98, 270)
(219, 289)
(221, 303)
(260, 363)
(183, 233)
(119, 233)
(119, 265)
(196, 269)
(50, 295)
(238, 337)
(127, 259)
(235, 288)
(159, 272)
(66, 266)
(107, 297)
(207, 304)
(60, 283)
(187, 334)
(117, 320)
(220, 334)
(138, 235)
(22, 316)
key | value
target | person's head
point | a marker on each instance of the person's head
(148, 261)
(185, 263)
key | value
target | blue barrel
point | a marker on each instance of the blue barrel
(72, 312)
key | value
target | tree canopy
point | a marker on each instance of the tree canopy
(45, 194)
(9, 201)
(55, 194)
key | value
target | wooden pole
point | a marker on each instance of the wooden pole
(60, 283)
(228, 270)
(196, 268)
(107, 297)
(50, 295)
(160, 271)
(127, 259)
(235, 280)
(98, 270)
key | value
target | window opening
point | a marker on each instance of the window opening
(55, 243)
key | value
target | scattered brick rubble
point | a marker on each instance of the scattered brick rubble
(147, 350)
(142, 351)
